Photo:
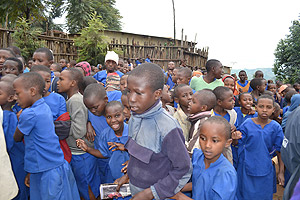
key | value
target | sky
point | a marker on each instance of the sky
(239, 33)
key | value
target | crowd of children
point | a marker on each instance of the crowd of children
(171, 135)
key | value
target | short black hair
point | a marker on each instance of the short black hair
(57, 67)
(265, 96)
(94, 90)
(16, 50)
(220, 91)
(10, 51)
(45, 50)
(254, 83)
(9, 77)
(206, 97)
(112, 104)
(19, 63)
(210, 64)
(76, 75)
(8, 81)
(219, 120)
(267, 92)
(241, 94)
(150, 73)
(40, 68)
(185, 71)
(177, 88)
(289, 95)
(33, 79)
(242, 71)
(87, 80)
(256, 73)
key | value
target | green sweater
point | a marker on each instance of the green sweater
(198, 83)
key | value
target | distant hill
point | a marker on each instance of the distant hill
(268, 73)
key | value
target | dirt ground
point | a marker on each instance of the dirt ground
(280, 189)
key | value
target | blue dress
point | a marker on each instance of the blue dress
(51, 176)
(242, 117)
(254, 167)
(219, 181)
(114, 95)
(57, 104)
(16, 152)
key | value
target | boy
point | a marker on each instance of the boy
(125, 103)
(63, 64)
(184, 76)
(213, 176)
(259, 74)
(200, 110)
(83, 164)
(224, 108)
(169, 74)
(156, 169)
(12, 65)
(243, 85)
(50, 175)
(183, 96)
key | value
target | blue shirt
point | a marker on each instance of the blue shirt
(148, 60)
(169, 81)
(42, 149)
(114, 95)
(242, 117)
(227, 117)
(101, 76)
(117, 158)
(57, 104)
(219, 181)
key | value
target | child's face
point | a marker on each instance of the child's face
(166, 95)
(4, 95)
(212, 141)
(65, 82)
(182, 79)
(242, 76)
(10, 67)
(228, 101)
(126, 109)
(184, 96)
(95, 104)
(229, 83)
(23, 95)
(40, 58)
(62, 63)
(115, 118)
(47, 78)
(141, 96)
(195, 106)
(246, 101)
(174, 76)
(264, 108)
(123, 83)
(110, 65)
(3, 56)
(272, 88)
(259, 75)
(263, 86)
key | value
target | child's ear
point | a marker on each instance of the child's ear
(33, 91)
(228, 142)
(204, 108)
(157, 94)
(219, 102)
(11, 98)
(105, 99)
(73, 83)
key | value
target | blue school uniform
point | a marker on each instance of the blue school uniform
(285, 109)
(254, 167)
(51, 176)
(227, 117)
(219, 181)
(114, 95)
(242, 117)
(16, 152)
(57, 104)
(169, 81)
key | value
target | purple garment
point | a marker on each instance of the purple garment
(296, 194)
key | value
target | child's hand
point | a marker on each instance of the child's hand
(124, 169)
(120, 181)
(117, 146)
(27, 180)
(81, 144)
(233, 128)
(19, 113)
(143, 195)
(180, 196)
(90, 132)
(280, 178)
(236, 135)
(252, 111)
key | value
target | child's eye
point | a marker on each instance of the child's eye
(215, 141)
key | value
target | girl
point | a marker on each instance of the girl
(258, 85)
(230, 83)
(245, 111)
(260, 136)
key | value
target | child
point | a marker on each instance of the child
(258, 85)
(51, 176)
(15, 150)
(123, 82)
(56, 69)
(113, 87)
(183, 96)
(259, 74)
(156, 169)
(224, 108)
(260, 136)
(229, 82)
(125, 102)
(166, 98)
(288, 98)
(213, 176)
(83, 164)
(184, 76)
(112, 141)
(200, 110)
(4, 54)
(277, 97)
(63, 64)
(12, 65)
(245, 111)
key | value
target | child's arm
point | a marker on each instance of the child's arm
(181, 196)
(236, 135)
(90, 132)
(18, 136)
(117, 146)
(281, 169)
(82, 145)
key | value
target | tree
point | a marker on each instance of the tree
(92, 43)
(26, 38)
(287, 56)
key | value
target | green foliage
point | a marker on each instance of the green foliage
(287, 56)
(91, 42)
(26, 38)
